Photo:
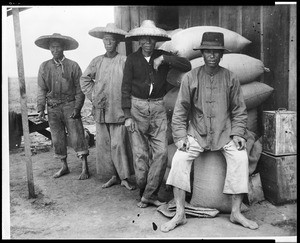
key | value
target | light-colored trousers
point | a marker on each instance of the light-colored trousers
(237, 172)
(111, 156)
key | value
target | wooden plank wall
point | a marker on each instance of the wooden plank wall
(268, 27)
(272, 30)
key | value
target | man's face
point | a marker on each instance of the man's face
(110, 42)
(56, 49)
(147, 43)
(212, 57)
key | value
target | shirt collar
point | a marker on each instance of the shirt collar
(59, 62)
(213, 72)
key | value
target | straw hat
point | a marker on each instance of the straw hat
(148, 28)
(212, 40)
(44, 41)
(110, 28)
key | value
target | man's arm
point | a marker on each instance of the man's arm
(41, 93)
(238, 110)
(181, 111)
(127, 88)
(87, 79)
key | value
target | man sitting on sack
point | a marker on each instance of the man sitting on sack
(210, 97)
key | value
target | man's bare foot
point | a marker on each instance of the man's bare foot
(127, 185)
(112, 181)
(61, 172)
(178, 219)
(145, 202)
(84, 175)
(240, 219)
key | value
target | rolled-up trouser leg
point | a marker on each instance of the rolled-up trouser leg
(237, 173)
(179, 175)
(58, 131)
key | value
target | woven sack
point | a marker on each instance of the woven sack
(183, 42)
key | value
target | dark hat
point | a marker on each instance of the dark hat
(148, 28)
(110, 28)
(44, 41)
(212, 40)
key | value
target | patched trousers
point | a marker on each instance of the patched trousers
(60, 122)
(237, 172)
(149, 145)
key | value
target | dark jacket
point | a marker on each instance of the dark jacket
(139, 74)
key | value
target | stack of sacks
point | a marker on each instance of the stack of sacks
(248, 70)
(167, 43)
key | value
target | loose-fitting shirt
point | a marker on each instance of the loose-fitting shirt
(59, 83)
(139, 74)
(101, 82)
(209, 107)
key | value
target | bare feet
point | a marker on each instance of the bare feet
(240, 219)
(84, 175)
(127, 185)
(178, 219)
(61, 172)
(112, 181)
(145, 202)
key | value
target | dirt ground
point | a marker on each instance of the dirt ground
(68, 208)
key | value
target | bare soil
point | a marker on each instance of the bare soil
(68, 208)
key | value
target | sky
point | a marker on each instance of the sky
(73, 21)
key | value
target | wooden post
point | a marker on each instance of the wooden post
(292, 93)
(23, 100)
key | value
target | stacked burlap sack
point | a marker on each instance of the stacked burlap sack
(209, 174)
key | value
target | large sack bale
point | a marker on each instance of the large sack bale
(255, 93)
(170, 99)
(245, 67)
(208, 182)
(170, 33)
(252, 120)
(183, 42)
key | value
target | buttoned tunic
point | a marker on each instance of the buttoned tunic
(215, 105)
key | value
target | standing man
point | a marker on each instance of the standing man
(143, 88)
(101, 82)
(59, 88)
(210, 97)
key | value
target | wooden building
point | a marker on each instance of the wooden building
(271, 29)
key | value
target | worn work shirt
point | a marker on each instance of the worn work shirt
(59, 83)
(209, 107)
(140, 74)
(101, 82)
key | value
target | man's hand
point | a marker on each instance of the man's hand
(75, 114)
(157, 62)
(130, 125)
(240, 142)
(41, 116)
(183, 145)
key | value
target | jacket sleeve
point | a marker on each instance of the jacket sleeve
(238, 110)
(87, 79)
(127, 87)
(79, 95)
(179, 63)
(181, 110)
(42, 90)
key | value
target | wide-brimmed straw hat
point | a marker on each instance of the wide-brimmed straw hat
(212, 40)
(68, 42)
(148, 28)
(110, 28)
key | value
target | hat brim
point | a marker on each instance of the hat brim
(158, 38)
(211, 48)
(69, 42)
(99, 32)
